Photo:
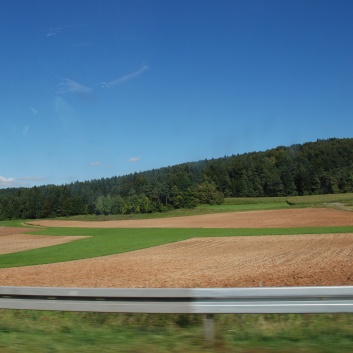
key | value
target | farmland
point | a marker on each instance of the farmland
(291, 260)
(281, 245)
(296, 247)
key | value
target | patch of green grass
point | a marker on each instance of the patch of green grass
(110, 241)
(339, 201)
(57, 332)
(244, 207)
(15, 223)
(315, 199)
(102, 242)
(254, 200)
(321, 199)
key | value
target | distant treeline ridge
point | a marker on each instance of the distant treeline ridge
(321, 167)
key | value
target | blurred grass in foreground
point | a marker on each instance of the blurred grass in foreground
(57, 332)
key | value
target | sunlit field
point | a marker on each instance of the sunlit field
(34, 331)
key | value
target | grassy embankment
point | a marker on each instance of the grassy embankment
(56, 332)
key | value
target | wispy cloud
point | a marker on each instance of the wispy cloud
(134, 159)
(54, 31)
(95, 164)
(6, 181)
(20, 182)
(125, 78)
(71, 86)
(34, 111)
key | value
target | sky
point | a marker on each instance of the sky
(95, 89)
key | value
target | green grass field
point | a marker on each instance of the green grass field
(328, 200)
(57, 332)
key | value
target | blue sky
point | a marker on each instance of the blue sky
(93, 89)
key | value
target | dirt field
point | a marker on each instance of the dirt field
(307, 217)
(13, 240)
(12, 230)
(300, 260)
(297, 260)
(21, 242)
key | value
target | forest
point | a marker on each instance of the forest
(321, 167)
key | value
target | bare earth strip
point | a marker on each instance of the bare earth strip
(13, 230)
(299, 260)
(21, 242)
(307, 217)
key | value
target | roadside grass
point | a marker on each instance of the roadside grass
(58, 332)
(109, 241)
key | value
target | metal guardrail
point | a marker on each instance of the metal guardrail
(196, 301)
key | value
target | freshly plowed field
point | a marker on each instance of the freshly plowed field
(307, 217)
(20, 242)
(296, 260)
(13, 230)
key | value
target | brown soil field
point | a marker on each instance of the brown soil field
(21, 242)
(288, 218)
(296, 260)
(13, 230)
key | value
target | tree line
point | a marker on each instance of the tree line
(321, 167)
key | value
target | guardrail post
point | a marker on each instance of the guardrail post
(209, 328)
